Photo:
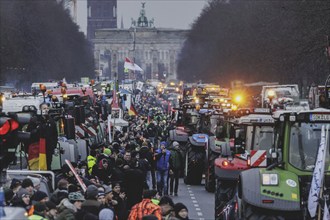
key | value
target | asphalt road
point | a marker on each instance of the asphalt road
(199, 202)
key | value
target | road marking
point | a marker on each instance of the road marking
(191, 194)
(201, 219)
(194, 201)
(198, 209)
(190, 191)
(199, 214)
(196, 205)
(193, 198)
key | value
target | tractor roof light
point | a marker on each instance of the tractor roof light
(238, 99)
(270, 179)
(271, 94)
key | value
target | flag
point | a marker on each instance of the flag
(132, 110)
(33, 158)
(129, 65)
(318, 174)
(326, 214)
(42, 154)
(114, 99)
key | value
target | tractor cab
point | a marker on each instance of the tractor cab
(286, 182)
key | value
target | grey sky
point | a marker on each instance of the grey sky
(166, 13)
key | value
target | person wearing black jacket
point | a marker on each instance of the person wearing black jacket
(44, 126)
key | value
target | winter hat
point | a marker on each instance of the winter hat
(39, 195)
(178, 207)
(26, 183)
(107, 189)
(92, 192)
(175, 143)
(107, 151)
(14, 183)
(149, 193)
(105, 214)
(166, 200)
(163, 143)
(22, 192)
(76, 196)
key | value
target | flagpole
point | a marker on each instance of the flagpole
(323, 179)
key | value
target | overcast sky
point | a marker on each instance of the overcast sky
(166, 13)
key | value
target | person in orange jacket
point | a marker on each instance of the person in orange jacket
(146, 207)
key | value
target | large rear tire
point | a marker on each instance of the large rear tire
(209, 174)
(225, 192)
(250, 212)
(194, 166)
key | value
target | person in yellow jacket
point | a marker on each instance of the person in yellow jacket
(91, 161)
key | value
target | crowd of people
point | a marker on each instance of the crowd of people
(133, 177)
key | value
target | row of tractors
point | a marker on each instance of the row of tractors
(258, 162)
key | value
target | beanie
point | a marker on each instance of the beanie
(14, 183)
(107, 151)
(166, 200)
(22, 192)
(178, 207)
(39, 207)
(92, 192)
(39, 195)
(26, 183)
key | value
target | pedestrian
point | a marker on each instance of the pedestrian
(107, 210)
(69, 206)
(176, 164)
(91, 205)
(181, 211)
(163, 166)
(167, 207)
(120, 197)
(43, 127)
(145, 207)
(51, 213)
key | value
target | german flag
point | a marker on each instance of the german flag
(42, 154)
(132, 110)
(37, 155)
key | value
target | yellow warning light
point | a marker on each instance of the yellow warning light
(234, 107)
(271, 93)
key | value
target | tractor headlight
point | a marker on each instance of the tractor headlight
(270, 179)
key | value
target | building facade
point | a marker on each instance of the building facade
(100, 14)
(155, 50)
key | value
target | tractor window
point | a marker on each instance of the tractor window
(305, 139)
(249, 137)
(263, 138)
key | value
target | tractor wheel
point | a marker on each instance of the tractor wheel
(194, 166)
(225, 192)
(250, 212)
(209, 174)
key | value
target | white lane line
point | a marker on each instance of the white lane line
(196, 205)
(199, 214)
(193, 198)
(201, 219)
(194, 201)
(191, 195)
(190, 191)
(198, 209)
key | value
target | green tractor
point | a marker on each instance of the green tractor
(281, 190)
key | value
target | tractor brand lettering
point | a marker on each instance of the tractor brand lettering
(258, 158)
(320, 117)
(291, 183)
